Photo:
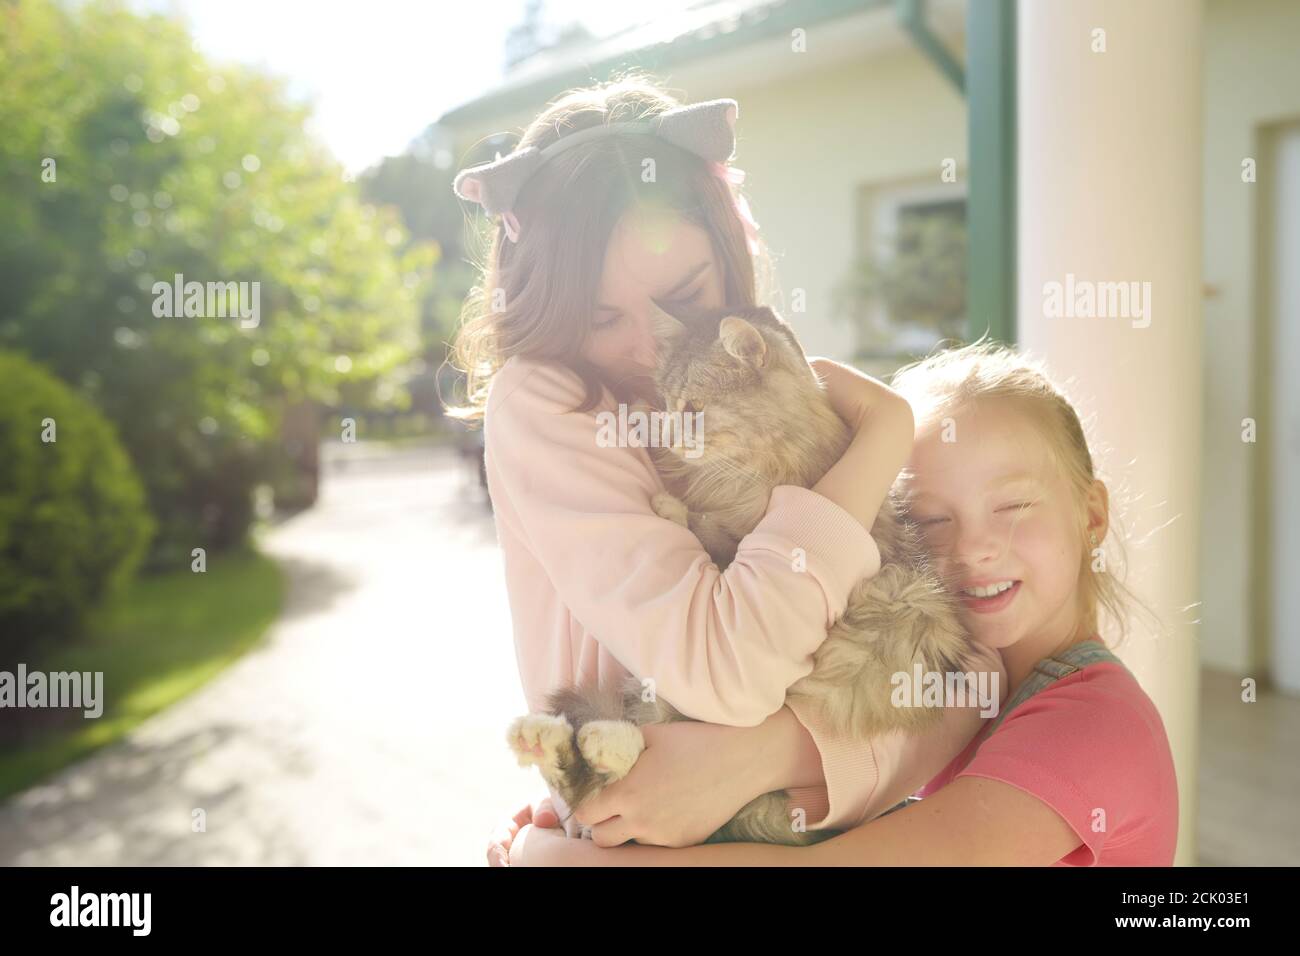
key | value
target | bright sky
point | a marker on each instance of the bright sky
(379, 71)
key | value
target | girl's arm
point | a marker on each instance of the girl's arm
(974, 821)
(693, 777)
(883, 425)
(722, 646)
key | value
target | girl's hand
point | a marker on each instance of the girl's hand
(690, 780)
(539, 813)
(851, 393)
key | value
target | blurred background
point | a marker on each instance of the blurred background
(280, 553)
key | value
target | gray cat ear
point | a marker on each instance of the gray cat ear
(663, 325)
(741, 340)
(496, 185)
(706, 129)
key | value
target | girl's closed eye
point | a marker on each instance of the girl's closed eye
(922, 522)
(689, 299)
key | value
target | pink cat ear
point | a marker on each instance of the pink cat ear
(496, 185)
(706, 129)
(472, 189)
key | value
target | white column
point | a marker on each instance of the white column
(1110, 192)
(1283, 444)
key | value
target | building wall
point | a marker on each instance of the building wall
(1251, 81)
(809, 142)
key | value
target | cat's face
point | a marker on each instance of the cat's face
(739, 374)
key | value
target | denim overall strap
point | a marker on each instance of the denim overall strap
(1051, 669)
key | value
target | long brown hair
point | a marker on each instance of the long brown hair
(537, 298)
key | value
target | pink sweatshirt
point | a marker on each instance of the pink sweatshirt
(600, 587)
(1091, 746)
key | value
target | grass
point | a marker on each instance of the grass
(161, 638)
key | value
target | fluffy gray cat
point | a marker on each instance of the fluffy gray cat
(769, 423)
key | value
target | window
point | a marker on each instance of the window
(906, 290)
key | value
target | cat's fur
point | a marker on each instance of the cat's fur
(768, 422)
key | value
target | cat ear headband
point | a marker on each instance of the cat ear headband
(705, 129)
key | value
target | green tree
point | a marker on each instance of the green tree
(165, 164)
(417, 186)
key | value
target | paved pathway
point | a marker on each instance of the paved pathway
(367, 729)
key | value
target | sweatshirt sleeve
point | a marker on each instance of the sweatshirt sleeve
(866, 778)
(721, 646)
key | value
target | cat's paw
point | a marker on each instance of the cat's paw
(541, 740)
(610, 746)
(670, 507)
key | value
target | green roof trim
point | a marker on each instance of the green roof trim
(757, 22)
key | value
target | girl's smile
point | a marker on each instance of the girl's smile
(989, 598)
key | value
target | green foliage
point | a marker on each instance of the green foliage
(72, 518)
(417, 185)
(166, 164)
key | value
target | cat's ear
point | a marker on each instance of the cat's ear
(664, 326)
(743, 341)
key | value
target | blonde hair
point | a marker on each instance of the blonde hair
(946, 381)
(545, 287)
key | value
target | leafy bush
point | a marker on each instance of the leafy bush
(73, 523)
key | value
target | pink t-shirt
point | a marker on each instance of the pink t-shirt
(1091, 746)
